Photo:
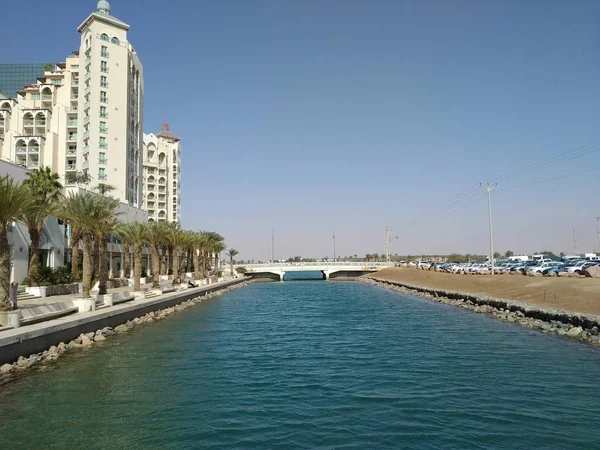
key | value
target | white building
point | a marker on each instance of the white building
(162, 176)
(84, 117)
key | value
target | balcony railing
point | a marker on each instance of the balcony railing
(74, 82)
(86, 105)
(71, 167)
(34, 149)
(72, 137)
(33, 164)
(104, 85)
(88, 60)
(86, 119)
(86, 149)
(47, 97)
(102, 176)
(21, 149)
(104, 115)
(103, 130)
(87, 89)
(103, 145)
(72, 109)
(104, 69)
(85, 164)
(102, 161)
(72, 123)
(28, 123)
(104, 54)
(86, 134)
(104, 99)
(71, 151)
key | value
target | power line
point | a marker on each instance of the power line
(548, 179)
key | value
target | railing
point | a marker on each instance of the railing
(33, 164)
(103, 130)
(34, 149)
(72, 123)
(46, 97)
(103, 145)
(72, 137)
(104, 54)
(103, 99)
(87, 89)
(104, 116)
(72, 109)
(74, 97)
(85, 164)
(71, 167)
(104, 69)
(102, 176)
(86, 105)
(86, 134)
(28, 122)
(102, 161)
(21, 149)
(104, 85)
(74, 82)
(86, 149)
(88, 60)
(71, 151)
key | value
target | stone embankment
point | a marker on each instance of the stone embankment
(582, 327)
(40, 361)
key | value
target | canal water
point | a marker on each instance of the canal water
(313, 364)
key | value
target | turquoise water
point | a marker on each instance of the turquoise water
(314, 364)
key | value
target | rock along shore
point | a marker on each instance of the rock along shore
(585, 328)
(40, 361)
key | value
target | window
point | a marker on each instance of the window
(103, 112)
(104, 51)
(102, 158)
(103, 66)
(103, 81)
(115, 40)
(103, 128)
(102, 173)
(102, 143)
(104, 37)
(103, 98)
(35, 96)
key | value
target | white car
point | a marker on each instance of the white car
(424, 264)
(543, 266)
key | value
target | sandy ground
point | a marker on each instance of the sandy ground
(570, 294)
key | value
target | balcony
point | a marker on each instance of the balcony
(34, 149)
(88, 60)
(103, 99)
(86, 105)
(28, 123)
(104, 54)
(47, 97)
(74, 82)
(104, 85)
(86, 134)
(104, 69)
(86, 149)
(33, 164)
(104, 115)
(103, 145)
(103, 130)
(74, 98)
(102, 176)
(87, 89)
(72, 109)
(71, 167)
(103, 161)
(85, 164)
(21, 149)
(86, 119)
(72, 137)
(72, 123)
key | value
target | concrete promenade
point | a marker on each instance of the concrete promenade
(37, 337)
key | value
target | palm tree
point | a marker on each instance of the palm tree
(199, 248)
(45, 190)
(232, 253)
(14, 199)
(102, 230)
(135, 232)
(75, 235)
(155, 236)
(83, 211)
(127, 259)
(217, 249)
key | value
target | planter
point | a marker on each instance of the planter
(80, 288)
(107, 299)
(10, 319)
(38, 291)
(143, 280)
(85, 304)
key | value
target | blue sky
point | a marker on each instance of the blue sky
(308, 115)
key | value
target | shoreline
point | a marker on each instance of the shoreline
(578, 326)
(162, 309)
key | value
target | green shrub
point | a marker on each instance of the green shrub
(49, 276)
(25, 282)
(240, 269)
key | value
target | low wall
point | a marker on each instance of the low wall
(62, 289)
(41, 338)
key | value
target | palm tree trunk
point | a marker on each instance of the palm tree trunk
(175, 265)
(196, 265)
(127, 251)
(231, 265)
(217, 265)
(203, 264)
(74, 254)
(155, 267)
(5, 304)
(34, 258)
(87, 264)
(137, 266)
(163, 261)
(171, 253)
(96, 258)
(103, 266)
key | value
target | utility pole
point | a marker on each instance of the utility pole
(489, 187)
(575, 248)
(388, 243)
(598, 222)
(334, 254)
(273, 245)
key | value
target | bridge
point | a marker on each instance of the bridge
(330, 270)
